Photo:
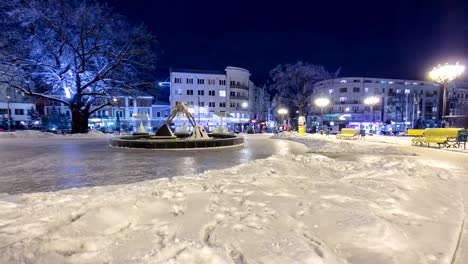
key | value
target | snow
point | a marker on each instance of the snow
(40, 134)
(342, 202)
(26, 134)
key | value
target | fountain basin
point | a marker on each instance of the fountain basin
(152, 142)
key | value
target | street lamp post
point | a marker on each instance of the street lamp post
(9, 112)
(244, 106)
(444, 75)
(407, 92)
(322, 102)
(283, 112)
(371, 101)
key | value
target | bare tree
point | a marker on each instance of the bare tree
(293, 84)
(74, 52)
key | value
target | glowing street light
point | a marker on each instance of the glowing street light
(443, 75)
(245, 105)
(371, 101)
(283, 112)
(322, 102)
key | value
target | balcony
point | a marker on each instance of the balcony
(244, 98)
(239, 86)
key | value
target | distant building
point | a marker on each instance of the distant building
(159, 113)
(402, 103)
(457, 98)
(457, 104)
(19, 105)
(214, 96)
(126, 113)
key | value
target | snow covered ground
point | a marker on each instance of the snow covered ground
(341, 202)
(40, 134)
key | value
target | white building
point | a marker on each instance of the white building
(19, 106)
(215, 96)
(126, 113)
(402, 103)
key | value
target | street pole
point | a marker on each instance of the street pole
(406, 112)
(198, 109)
(412, 114)
(444, 95)
(321, 118)
(9, 113)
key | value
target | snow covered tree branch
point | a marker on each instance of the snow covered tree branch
(293, 84)
(73, 52)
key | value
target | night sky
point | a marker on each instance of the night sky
(392, 39)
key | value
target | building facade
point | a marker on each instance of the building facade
(15, 106)
(125, 114)
(401, 104)
(218, 96)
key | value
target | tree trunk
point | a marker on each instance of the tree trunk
(79, 123)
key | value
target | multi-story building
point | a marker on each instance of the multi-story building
(457, 98)
(457, 104)
(126, 113)
(18, 105)
(401, 103)
(215, 96)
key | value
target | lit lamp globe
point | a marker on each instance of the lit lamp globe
(443, 75)
(371, 101)
(321, 102)
(283, 112)
(245, 104)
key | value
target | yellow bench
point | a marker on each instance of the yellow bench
(441, 136)
(414, 132)
(348, 133)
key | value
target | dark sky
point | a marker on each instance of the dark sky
(393, 39)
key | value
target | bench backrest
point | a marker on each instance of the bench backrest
(415, 132)
(349, 131)
(441, 132)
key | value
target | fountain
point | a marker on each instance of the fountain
(164, 138)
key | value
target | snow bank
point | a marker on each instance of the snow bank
(27, 134)
(283, 209)
(90, 134)
(40, 134)
(323, 144)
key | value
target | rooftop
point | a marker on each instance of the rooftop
(181, 70)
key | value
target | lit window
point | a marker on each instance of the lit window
(222, 93)
(343, 81)
(391, 82)
(366, 89)
(179, 91)
(330, 91)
